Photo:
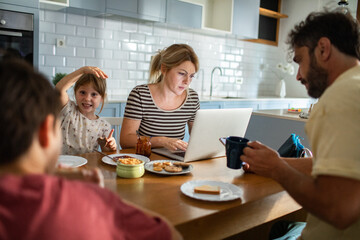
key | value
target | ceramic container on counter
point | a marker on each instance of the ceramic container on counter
(130, 170)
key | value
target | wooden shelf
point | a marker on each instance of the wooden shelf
(272, 14)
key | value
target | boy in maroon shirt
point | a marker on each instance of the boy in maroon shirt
(36, 205)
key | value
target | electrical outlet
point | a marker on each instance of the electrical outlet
(60, 42)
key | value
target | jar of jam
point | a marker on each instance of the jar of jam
(143, 146)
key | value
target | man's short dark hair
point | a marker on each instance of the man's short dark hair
(26, 99)
(342, 30)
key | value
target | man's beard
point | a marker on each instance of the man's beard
(317, 79)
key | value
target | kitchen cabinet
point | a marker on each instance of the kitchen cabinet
(245, 18)
(90, 6)
(239, 17)
(54, 4)
(23, 3)
(273, 129)
(152, 10)
(269, 20)
(110, 110)
(184, 14)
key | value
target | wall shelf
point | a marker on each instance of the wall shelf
(272, 14)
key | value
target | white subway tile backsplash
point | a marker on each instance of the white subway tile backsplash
(120, 74)
(94, 43)
(94, 62)
(127, 65)
(136, 75)
(47, 49)
(138, 38)
(65, 29)
(54, 61)
(65, 70)
(151, 40)
(85, 32)
(49, 72)
(146, 29)
(75, 41)
(112, 24)
(57, 17)
(65, 51)
(130, 27)
(85, 52)
(103, 34)
(48, 27)
(112, 64)
(75, 62)
(74, 19)
(103, 54)
(112, 44)
(124, 36)
(95, 22)
(143, 66)
(123, 48)
(129, 46)
(145, 48)
(137, 56)
(159, 31)
(121, 55)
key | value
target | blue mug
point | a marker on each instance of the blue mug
(234, 149)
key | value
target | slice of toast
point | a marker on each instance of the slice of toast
(207, 189)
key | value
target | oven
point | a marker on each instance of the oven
(16, 35)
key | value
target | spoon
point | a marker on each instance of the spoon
(106, 156)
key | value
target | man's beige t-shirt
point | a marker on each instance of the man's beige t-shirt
(334, 133)
(80, 134)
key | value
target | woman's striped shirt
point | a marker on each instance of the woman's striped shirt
(158, 122)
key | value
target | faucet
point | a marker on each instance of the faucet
(212, 74)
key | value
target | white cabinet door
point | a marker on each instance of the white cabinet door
(183, 14)
(246, 18)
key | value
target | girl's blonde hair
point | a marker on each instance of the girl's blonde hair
(99, 84)
(171, 57)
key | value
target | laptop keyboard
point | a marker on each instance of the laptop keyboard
(181, 154)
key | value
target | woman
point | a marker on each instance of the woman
(162, 108)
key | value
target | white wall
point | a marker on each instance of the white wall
(123, 48)
(298, 11)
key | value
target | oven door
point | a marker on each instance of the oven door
(16, 35)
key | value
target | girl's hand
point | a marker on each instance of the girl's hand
(109, 143)
(94, 70)
(174, 144)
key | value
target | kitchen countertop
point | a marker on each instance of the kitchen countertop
(281, 113)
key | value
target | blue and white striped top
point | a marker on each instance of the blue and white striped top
(155, 121)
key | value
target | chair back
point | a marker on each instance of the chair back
(116, 122)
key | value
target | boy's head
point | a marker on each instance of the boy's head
(99, 85)
(27, 99)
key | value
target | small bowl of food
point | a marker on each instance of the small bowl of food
(130, 168)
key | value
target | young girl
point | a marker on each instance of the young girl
(83, 131)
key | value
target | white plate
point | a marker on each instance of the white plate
(149, 167)
(111, 162)
(71, 161)
(228, 191)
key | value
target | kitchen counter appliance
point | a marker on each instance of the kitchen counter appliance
(16, 35)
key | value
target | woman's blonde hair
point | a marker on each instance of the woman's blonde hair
(171, 57)
(99, 84)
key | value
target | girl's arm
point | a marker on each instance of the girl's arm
(66, 82)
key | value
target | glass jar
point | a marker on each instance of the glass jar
(143, 146)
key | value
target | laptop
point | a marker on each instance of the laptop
(208, 127)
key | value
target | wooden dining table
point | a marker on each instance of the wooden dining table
(262, 199)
